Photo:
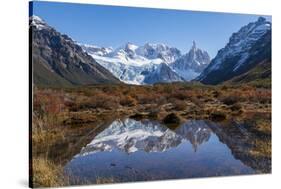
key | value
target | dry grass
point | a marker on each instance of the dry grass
(262, 148)
(45, 130)
(120, 96)
(47, 174)
(86, 104)
(110, 180)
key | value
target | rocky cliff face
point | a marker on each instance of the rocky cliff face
(58, 61)
(192, 63)
(246, 48)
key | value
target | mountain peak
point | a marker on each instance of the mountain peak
(36, 18)
(261, 19)
(130, 46)
(192, 63)
(37, 22)
(193, 45)
(159, 46)
(239, 52)
(61, 61)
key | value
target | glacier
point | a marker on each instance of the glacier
(150, 63)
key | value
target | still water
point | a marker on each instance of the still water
(131, 150)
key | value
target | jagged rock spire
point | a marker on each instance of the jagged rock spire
(193, 44)
(261, 19)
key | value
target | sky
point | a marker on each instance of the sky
(113, 26)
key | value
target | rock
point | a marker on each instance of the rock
(217, 116)
(139, 115)
(171, 118)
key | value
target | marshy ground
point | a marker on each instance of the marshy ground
(63, 119)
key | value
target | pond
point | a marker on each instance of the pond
(139, 150)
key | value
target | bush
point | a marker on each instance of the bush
(179, 105)
(236, 107)
(230, 100)
(149, 98)
(48, 102)
(216, 94)
(128, 101)
(224, 87)
(105, 101)
(181, 95)
(263, 96)
(99, 100)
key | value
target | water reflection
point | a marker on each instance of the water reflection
(196, 132)
(130, 136)
(130, 150)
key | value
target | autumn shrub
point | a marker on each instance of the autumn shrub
(102, 100)
(224, 87)
(216, 94)
(236, 107)
(148, 98)
(127, 101)
(230, 100)
(197, 101)
(113, 89)
(88, 91)
(48, 104)
(253, 95)
(179, 105)
(181, 95)
(263, 96)
(168, 88)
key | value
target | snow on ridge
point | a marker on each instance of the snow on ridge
(37, 18)
(38, 22)
(131, 46)
(132, 64)
(239, 43)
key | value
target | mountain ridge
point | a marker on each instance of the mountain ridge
(245, 49)
(129, 62)
(59, 61)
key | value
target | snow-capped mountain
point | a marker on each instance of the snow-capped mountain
(95, 50)
(150, 136)
(161, 74)
(134, 64)
(151, 63)
(38, 23)
(162, 51)
(192, 63)
(245, 49)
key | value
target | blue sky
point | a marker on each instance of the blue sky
(111, 26)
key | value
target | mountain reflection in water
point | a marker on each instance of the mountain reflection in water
(149, 136)
(130, 150)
